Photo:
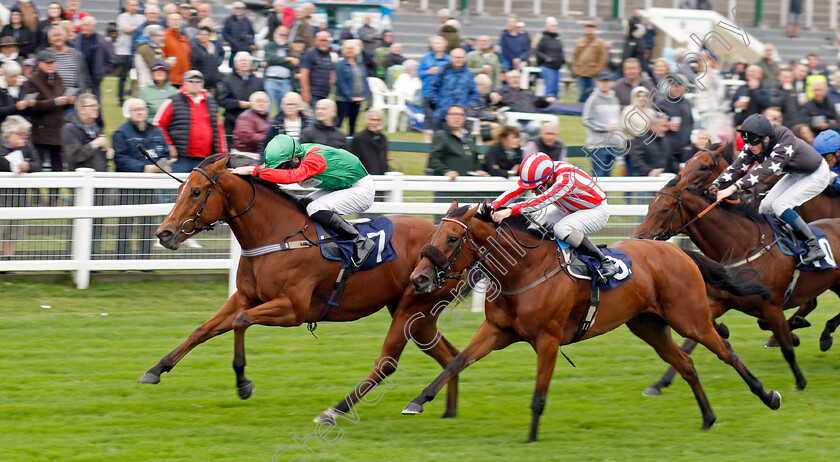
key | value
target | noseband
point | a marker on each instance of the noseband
(436, 257)
(189, 226)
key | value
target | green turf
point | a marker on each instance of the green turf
(71, 391)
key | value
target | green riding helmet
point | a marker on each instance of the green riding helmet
(282, 148)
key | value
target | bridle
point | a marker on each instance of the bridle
(666, 234)
(189, 227)
(441, 275)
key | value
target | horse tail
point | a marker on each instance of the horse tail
(740, 282)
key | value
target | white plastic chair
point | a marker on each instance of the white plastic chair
(389, 102)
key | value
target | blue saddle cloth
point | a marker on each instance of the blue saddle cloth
(792, 246)
(587, 267)
(379, 230)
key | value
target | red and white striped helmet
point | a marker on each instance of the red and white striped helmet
(535, 169)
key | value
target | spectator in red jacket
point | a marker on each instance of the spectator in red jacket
(190, 124)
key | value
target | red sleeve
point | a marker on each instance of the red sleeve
(312, 165)
(506, 197)
(222, 138)
(162, 119)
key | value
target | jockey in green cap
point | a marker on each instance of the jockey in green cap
(345, 187)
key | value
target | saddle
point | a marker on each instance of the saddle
(789, 244)
(380, 229)
(584, 267)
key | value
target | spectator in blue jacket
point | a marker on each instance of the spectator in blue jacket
(238, 31)
(454, 84)
(430, 65)
(136, 131)
(350, 84)
(827, 143)
(515, 43)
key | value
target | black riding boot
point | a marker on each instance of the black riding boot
(362, 246)
(608, 270)
(803, 231)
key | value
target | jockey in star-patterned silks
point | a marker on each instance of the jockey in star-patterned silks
(776, 151)
(575, 205)
(344, 186)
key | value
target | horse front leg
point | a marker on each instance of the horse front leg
(276, 312)
(489, 337)
(546, 349)
(776, 321)
(220, 323)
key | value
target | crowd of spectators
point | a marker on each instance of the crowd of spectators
(54, 64)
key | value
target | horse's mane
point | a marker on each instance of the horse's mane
(239, 161)
(742, 208)
(515, 222)
(674, 181)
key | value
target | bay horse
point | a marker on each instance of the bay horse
(735, 233)
(289, 288)
(667, 289)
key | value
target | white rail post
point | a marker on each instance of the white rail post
(538, 7)
(731, 6)
(832, 14)
(396, 193)
(564, 9)
(783, 12)
(479, 293)
(506, 7)
(452, 7)
(479, 7)
(424, 5)
(83, 231)
(593, 8)
(235, 254)
(809, 13)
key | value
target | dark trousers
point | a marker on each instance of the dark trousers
(124, 66)
(348, 109)
(53, 153)
(141, 227)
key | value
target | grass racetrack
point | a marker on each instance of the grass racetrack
(71, 391)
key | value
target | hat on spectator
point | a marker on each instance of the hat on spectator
(193, 74)
(827, 142)
(589, 24)
(550, 21)
(605, 75)
(184, 5)
(238, 5)
(45, 56)
(159, 65)
(8, 41)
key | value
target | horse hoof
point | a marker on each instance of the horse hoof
(772, 342)
(448, 415)
(413, 409)
(796, 340)
(148, 377)
(801, 385)
(245, 391)
(652, 391)
(826, 343)
(775, 400)
(707, 424)
(326, 418)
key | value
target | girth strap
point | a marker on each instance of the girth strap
(335, 296)
(591, 312)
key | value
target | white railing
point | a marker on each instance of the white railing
(404, 194)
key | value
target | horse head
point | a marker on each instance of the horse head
(441, 257)
(202, 202)
(666, 216)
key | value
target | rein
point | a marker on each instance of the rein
(666, 234)
(191, 222)
(442, 274)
